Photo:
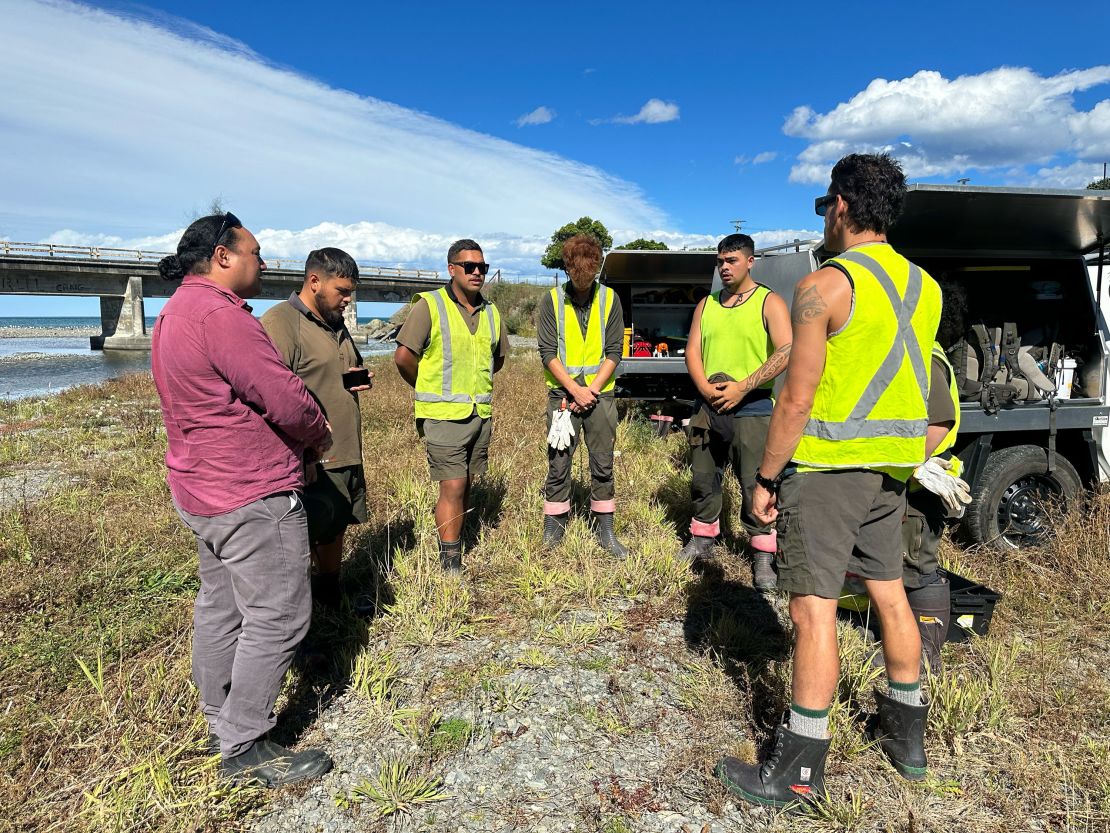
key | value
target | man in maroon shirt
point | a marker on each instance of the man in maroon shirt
(238, 424)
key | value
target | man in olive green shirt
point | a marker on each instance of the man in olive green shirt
(314, 343)
(458, 449)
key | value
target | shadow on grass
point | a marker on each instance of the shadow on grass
(325, 660)
(737, 623)
(487, 497)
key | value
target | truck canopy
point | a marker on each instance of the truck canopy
(974, 219)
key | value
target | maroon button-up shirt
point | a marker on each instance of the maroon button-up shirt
(237, 419)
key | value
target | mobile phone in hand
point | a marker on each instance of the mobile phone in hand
(356, 378)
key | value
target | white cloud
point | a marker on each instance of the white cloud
(1075, 175)
(120, 126)
(999, 119)
(385, 245)
(541, 115)
(655, 111)
(758, 159)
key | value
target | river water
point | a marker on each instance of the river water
(41, 356)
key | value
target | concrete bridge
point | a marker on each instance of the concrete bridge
(122, 278)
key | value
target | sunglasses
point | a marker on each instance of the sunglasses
(230, 221)
(470, 267)
(821, 204)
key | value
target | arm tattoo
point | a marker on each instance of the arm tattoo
(808, 306)
(771, 368)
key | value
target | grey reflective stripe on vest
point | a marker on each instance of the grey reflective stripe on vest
(857, 425)
(445, 339)
(561, 316)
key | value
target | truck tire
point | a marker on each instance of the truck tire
(1016, 500)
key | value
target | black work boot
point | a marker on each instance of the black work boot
(554, 528)
(607, 536)
(450, 556)
(763, 573)
(901, 735)
(698, 548)
(270, 765)
(932, 607)
(793, 773)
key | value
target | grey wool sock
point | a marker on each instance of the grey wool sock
(809, 723)
(908, 693)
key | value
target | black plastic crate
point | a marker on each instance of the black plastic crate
(972, 607)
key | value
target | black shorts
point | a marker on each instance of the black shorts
(335, 501)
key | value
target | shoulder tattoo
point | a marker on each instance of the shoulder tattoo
(808, 306)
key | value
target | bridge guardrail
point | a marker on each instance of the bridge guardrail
(107, 254)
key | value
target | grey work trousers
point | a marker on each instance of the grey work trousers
(599, 424)
(709, 457)
(251, 613)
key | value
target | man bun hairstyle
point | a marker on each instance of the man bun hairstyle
(737, 243)
(464, 245)
(194, 251)
(581, 252)
(335, 263)
(874, 187)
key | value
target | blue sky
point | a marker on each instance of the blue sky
(391, 129)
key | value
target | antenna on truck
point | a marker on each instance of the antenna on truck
(736, 224)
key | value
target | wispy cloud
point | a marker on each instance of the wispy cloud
(118, 125)
(655, 111)
(541, 115)
(997, 120)
(759, 159)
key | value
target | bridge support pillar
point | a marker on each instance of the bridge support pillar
(122, 320)
(350, 317)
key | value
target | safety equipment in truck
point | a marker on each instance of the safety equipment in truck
(995, 368)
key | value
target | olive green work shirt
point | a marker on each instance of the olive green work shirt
(320, 354)
(416, 332)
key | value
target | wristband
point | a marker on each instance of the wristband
(770, 484)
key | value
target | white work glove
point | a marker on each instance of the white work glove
(561, 431)
(934, 475)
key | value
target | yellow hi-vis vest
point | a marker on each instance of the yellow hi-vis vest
(734, 340)
(954, 391)
(870, 408)
(455, 374)
(581, 355)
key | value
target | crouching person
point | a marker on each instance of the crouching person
(580, 333)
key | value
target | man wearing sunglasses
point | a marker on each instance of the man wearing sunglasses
(847, 432)
(448, 349)
(237, 423)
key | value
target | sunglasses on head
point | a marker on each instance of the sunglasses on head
(821, 204)
(230, 221)
(469, 267)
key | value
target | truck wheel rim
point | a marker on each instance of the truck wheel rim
(1022, 512)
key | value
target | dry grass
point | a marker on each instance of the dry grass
(98, 725)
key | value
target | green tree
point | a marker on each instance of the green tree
(1100, 184)
(553, 257)
(641, 243)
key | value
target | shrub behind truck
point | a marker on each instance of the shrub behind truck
(1034, 265)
